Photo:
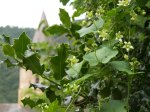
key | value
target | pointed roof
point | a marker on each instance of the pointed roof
(43, 17)
(43, 21)
(39, 36)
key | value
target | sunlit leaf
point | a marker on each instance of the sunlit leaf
(8, 50)
(102, 55)
(91, 58)
(105, 54)
(94, 27)
(54, 107)
(75, 70)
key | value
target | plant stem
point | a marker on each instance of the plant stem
(74, 96)
(44, 77)
(50, 80)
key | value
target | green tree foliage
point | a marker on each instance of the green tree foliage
(16, 31)
(9, 84)
(105, 66)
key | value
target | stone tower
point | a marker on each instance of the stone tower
(26, 77)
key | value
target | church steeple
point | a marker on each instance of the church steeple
(43, 21)
(43, 17)
(39, 36)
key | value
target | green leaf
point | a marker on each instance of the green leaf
(148, 4)
(64, 17)
(32, 103)
(58, 62)
(28, 53)
(140, 21)
(141, 2)
(64, 2)
(122, 66)
(95, 26)
(109, 43)
(50, 95)
(113, 106)
(28, 101)
(9, 63)
(112, 13)
(6, 39)
(9, 50)
(105, 54)
(54, 107)
(102, 55)
(33, 63)
(56, 30)
(85, 77)
(91, 58)
(20, 45)
(75, 70)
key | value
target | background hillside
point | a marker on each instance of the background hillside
(9, 77)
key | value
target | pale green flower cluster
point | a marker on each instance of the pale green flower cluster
(90, 14)
(84, 23)
(119, 36)
(128, 46)
(124, 2)
(142, 12)
(103, 34)
(70, 88)
(133, 15)
(100, 11)
(43, 106)
(86, 49)
(134, 63)
(126, 57)
(73, 60)
(94, 45)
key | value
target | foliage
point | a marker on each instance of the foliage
(9, 77)
(9, 84)
(16, 31)
(105, 60)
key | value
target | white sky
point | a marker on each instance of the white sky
(27, 13)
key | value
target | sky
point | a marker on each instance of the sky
(27, 13)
